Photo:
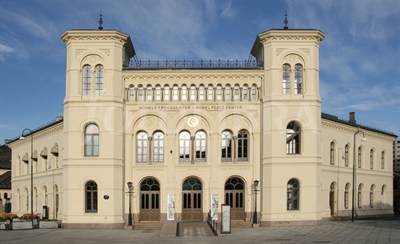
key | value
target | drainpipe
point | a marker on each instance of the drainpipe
(261, 151)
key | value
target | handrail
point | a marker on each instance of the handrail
(212, 223)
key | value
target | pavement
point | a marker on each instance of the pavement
(359, 231)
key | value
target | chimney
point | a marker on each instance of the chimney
(352, 117)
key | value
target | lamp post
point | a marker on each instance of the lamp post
(353, 202)
(255, 201)
(130, 187)
(23, 138)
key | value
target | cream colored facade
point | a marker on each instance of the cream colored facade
(188, 138)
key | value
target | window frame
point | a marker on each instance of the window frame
(158, 147)
(298, 79)
(92, 140)
(86, 80)
(346, 155)
(286, 69)
(142, 147)
(293, 138)
(184, 146)
(91, 197)
(292, 199)
(332, 154)
(243, 141)
(99, 83)
(226, 152)
(200, 143)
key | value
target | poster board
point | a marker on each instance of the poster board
(225, 219)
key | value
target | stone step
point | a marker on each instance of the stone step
(148, 225)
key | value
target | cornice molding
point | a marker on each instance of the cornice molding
(351, 130)
(135, 76)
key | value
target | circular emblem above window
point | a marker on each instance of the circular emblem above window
(192, 121)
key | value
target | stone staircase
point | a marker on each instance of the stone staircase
(148, 225)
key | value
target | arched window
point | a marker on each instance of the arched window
(99, 80)
(142, 141)
(332, 154)
(293, 138)
(140, 94)
(253, 93)
(293, 194)
(346, 196)
(359, 196)
(226, 145)
(298, 79)
(201, 93)
(243, 145)
(382, 160)
(245, 93)
(192, 93)
(92, 140)
(91, 197)
(149, 94)
(184, 146)
(166, 93)
(86, 80)
(371, 196)
(219, 93)
(175, 93)
(359, 157)
(371, 159)
(158, 147)
(158, 93)
(227, 93)
(131, 93)
(210, 93)
(236, 95)
(201, 143)
(346, 155)
(184, 93)
(286, 79)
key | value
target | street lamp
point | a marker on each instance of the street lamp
(255, 201)
(130, 187)
(353, 203)
(23, 138)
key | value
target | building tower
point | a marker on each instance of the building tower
(291, 107)
(93, 162)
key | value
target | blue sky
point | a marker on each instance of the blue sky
(359, 58)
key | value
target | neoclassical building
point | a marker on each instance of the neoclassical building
(192, 135)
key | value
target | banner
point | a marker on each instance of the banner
(170, 207)
(214, 206)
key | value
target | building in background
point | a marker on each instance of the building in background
(5, 178)
(192, 134)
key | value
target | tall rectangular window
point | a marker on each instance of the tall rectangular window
(298, 79)
(91, 140)
(99, 80)
(286, 79)
(166, 93)
(91, 197)
(210, 93)
(86, 80)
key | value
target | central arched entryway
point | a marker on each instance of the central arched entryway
(234, 196)
(149, 200)
(192, 197)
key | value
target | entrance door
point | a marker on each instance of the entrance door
(234, 196)
(332, 199)
(192, 205)
(149, 200)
